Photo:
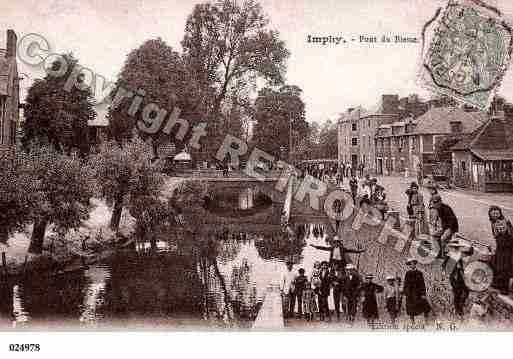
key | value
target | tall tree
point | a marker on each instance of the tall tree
(227, 46)
(57, 114)
(279, 120)
(155, 73)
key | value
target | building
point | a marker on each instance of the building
(9, 94)
(403, 145)
(483, 160)
(358, 128)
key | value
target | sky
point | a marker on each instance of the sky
(333, 77)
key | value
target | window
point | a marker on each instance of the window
(463, 166)
(368, 123)
(456, 127)
(353, 127)
(354, 141)
(427, 143)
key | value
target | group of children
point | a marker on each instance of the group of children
(347, 289)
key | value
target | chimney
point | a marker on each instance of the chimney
(12, 41)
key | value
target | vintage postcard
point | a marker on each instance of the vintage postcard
(255, 165)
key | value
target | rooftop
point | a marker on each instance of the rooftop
(438, 120)
(491, 141)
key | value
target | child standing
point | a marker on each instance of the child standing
(299, 286)
(309, 304)
(392, 298)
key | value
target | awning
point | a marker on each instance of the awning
(494, 155)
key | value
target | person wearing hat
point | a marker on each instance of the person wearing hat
(370, 304)
(503, 263)
(392, 297)
(338, 281)
(287, 290)
(324, 291)
(420, 174)
(416, 208)
(414, 290)
(448, 223)
(378, 198)
(337, 252)
(460, 290)
(351, 290)
(353, 186)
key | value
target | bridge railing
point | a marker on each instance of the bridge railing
(214, 173)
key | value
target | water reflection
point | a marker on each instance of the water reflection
(237, 202)
(208, 279)
(94, 296)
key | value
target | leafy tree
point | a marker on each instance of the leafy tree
(17, 191)
(62, 187)
(158, 74)
(56, 114)
(276, 114)
(328, 141)
(227, 46)
(126, 176)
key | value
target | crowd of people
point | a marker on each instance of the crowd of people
(309, 294)
(431, 216)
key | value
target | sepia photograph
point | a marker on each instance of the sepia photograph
(255, 166)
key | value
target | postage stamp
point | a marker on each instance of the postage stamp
(468, 53)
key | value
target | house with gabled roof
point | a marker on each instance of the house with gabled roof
(483, 160)
(409, 145)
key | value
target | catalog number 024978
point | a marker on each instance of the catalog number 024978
(24, 347)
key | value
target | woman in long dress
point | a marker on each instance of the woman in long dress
(503, 262)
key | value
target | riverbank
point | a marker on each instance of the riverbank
(88, 244)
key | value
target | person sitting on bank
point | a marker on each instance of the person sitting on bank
(370, 303)
(337, 252)
(448, 222)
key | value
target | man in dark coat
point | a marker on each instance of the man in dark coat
(449, 222)
(337, 252)
(337, 282)
(324, 292)
(351, 290)
(353, 184)
(414, 290)
(370, 304)
(457, 278)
